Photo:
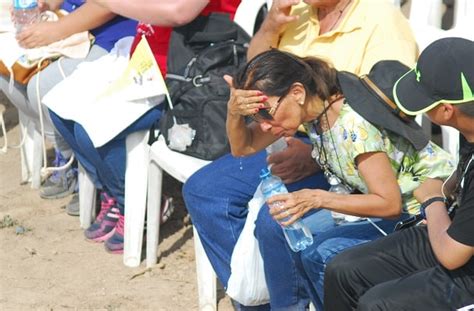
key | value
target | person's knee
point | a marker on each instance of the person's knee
(372, 300)
(265, 226)
(340, 269)
(196, 186)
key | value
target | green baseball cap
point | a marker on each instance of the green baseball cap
(444, 74)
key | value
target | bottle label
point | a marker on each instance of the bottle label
(24, 4)
(278, 189)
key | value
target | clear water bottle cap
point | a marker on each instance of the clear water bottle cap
(333, 180)
(25, 4)
(264, 173)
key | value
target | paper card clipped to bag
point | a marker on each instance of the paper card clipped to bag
(115, 86)
(247, 283)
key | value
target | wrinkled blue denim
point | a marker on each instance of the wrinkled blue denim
(216, 197)
(104, 165)
(330, 240)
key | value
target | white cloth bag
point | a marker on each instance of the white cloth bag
(105, 96)
(247, 283)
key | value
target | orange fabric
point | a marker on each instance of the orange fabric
(23, 74)
(159, 37)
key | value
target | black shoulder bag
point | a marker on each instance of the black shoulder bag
(200, 54)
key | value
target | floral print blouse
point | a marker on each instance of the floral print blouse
(351, 135)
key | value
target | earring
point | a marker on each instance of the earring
(301, 102)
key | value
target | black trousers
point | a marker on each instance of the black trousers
(398, 272)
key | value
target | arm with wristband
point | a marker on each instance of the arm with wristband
(450, 253)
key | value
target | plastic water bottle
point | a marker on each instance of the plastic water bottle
(338, 187)
(25, 12)
(297, 234)
(277, 146)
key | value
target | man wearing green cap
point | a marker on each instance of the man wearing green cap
(426, 267)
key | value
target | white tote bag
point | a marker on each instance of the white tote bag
(247, 283)
(115, 86)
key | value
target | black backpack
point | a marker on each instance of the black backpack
(200, 54)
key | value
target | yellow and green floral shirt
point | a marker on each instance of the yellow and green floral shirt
(351, 135)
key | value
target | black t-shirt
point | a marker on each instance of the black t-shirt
(462, 227)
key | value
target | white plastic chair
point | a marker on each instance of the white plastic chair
(464, 14)
(30, 149)
(30, 152)
(450, 139)
(4, 131)
(246, 14)
(463, 20)
(426, 12)
(136, 175)
(396, 3)
(87, 195)
(180, 167)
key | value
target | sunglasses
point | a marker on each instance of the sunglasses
(267, 112)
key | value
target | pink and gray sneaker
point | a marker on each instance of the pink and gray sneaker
(114, 244)
(104, 225)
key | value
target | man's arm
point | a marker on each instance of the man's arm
(450, 253)
(274, 24)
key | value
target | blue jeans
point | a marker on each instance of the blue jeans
(217, 196)
(330, 240)
(104, 165)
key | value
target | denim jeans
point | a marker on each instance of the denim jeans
(329, 240)
(104, 165)
(217, 196)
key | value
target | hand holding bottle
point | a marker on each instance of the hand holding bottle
(294, 162)
(295, 205)
(39, 34)
(24, 12)
(297, 234)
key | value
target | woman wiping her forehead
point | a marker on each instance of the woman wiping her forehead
(356, 138)
(279, 91)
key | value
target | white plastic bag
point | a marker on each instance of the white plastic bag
(247, 283)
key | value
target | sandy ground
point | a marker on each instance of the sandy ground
(52, 267)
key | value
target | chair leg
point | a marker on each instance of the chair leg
(450, 138)
(26, 151)
(30, 152)
(87, 195)
(155, 182)
(206, 277)
(37, 160)
(136, 180)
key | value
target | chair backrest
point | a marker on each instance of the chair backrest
(463, 20)
(247, 13)
(426, 12)
(464, 14)
(467, 308)
(450, 138)
(397, 3)
(176, 164)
